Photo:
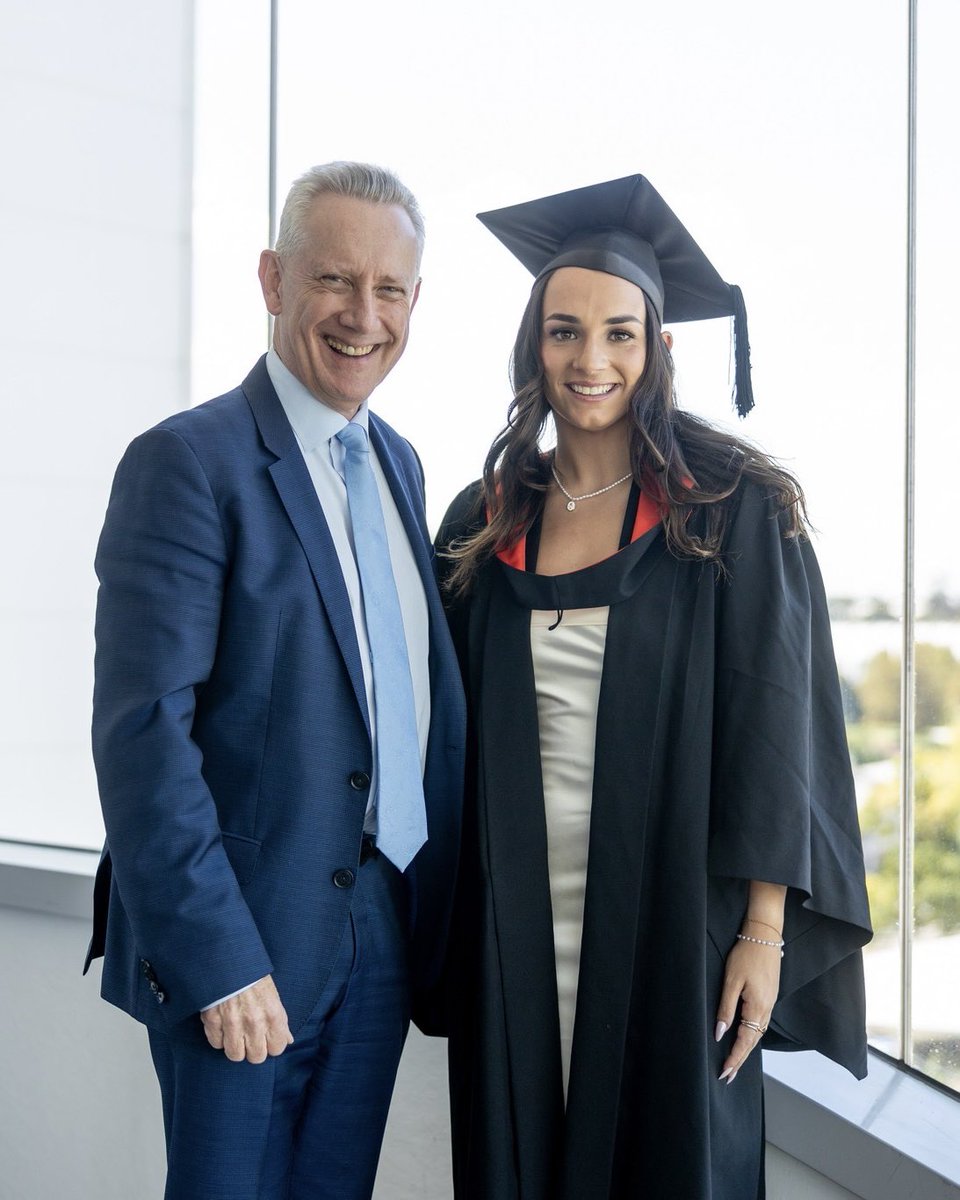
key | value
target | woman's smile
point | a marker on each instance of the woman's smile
(587, 389)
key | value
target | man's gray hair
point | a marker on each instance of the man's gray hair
(362, 181)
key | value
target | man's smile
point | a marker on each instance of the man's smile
(345, 348)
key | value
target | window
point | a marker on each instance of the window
(781, 147)
(908, 755)
(95, 348)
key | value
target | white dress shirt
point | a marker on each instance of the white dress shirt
(316, 427)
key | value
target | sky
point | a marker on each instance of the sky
(776, 133)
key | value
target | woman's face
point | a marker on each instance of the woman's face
(593, 345)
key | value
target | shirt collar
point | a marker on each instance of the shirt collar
(314, 422)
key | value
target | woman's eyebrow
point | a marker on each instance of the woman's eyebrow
(571, 320)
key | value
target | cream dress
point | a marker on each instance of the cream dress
(567, 665)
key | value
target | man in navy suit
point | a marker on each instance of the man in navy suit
(244, 909)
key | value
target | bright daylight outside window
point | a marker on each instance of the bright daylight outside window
(933, 1032)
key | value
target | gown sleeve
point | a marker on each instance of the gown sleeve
(783, 807)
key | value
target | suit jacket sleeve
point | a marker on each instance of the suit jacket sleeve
(162, 562)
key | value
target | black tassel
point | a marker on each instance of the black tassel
(743, 385)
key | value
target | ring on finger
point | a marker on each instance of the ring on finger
(754, 1025)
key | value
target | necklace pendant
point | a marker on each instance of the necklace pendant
(571, 505)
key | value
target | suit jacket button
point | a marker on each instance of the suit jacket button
(160, 997)
(145, 968)
(154, 987)
(359, 781)
(343, 878)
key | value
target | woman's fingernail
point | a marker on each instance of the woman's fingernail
(721, 1029)
(732, 1078)
(725, 1074)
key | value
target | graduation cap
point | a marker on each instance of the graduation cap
(625, 227)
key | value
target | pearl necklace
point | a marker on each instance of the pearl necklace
(573, 501)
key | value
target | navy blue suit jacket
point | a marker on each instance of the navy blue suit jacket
(230, 728)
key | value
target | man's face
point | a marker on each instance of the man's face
(342, 301)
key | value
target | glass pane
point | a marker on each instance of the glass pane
(784, 153)
(97, 199)
(936, 960)
(868, 642)
(231, 171)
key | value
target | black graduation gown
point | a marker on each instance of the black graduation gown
(720, 758)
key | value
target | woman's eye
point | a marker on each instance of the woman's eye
(561, 335)
(621, 335)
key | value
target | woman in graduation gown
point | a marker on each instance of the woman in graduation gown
(662, 866)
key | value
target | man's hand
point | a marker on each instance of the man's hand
(249, 1026)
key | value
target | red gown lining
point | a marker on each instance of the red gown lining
(649, 513)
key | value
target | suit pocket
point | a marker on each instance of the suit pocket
(243, 853)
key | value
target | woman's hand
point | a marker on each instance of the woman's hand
(752, 975)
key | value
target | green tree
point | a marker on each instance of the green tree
(938, 687)
(941, 607)
(879, 690)
(936, 842)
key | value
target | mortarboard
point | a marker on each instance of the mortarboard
(625, 227)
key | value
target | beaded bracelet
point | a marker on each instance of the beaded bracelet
(743, 937)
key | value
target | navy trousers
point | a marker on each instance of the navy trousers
(308, 1124)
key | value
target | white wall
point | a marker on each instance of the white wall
(94, 322)
(80, 1108)
(789, 1179)
(79, 1103)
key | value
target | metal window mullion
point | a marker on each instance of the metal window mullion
(272, 165)
(272, 146)
(908, 673)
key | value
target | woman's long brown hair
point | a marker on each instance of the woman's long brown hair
(690, 465)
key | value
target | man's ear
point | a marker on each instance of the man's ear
(269, 272)
(416, 294)
(667, 339)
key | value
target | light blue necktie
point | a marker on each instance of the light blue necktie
(401, 816)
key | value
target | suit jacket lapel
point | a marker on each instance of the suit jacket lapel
(298, 495)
